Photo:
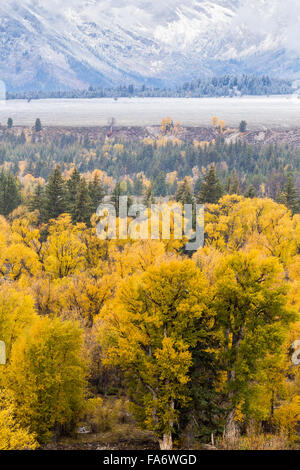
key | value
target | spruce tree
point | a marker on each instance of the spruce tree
(55, 196)
(148, 197)
(290, 195)
(197, 186)
(138, 186)
(116, 194)
(96, 192)
(38, 125)
(10, 196)
(22, 138)
(210, 190)
(243, 126)
(233, 185)
(82, 209)
(115, 197)
(72, 188)
(36, 202)
(159, 185)
(250, 192)
(184, 193)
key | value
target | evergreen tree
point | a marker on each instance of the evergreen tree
(206, 412)
(96, 192)
(184, 193)
(116, 194)
(82, 209)
(290, 195)
(38, 125)
(9, 123)
(243, 126)
(72, 188)
(197, 186)
(10, 196)
(210, 190)
(36, 202)
(55, 196)
(15, 169)
(159, 185)
(138, 186)
(250, 192)
(22, 138)
(148, 197)
(233, 185)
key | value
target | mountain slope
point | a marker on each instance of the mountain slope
(87, 42)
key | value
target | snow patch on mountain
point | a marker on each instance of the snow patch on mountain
(77, 43)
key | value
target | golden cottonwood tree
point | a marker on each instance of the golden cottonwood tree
(252, 312)
(17, 257)
(64, 251)
(237, 223)
(12, 435)
(45, 377)
(17, 314)
(149, 330)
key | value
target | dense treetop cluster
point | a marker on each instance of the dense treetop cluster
(198, 343)
(226, 85)
(188, 344)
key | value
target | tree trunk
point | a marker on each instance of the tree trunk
(232, 431)
(166, 443)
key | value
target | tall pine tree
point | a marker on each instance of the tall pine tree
(184, 193)
(250, 192)
(159, 185)
(37, 200)
(138, 186)
(72, 188)
(233, 184)
(10, 196)
(55, 202)
(148, 197)
(210, 188)
(82, 209)
(290, 195)
(96, 192)
(116, 194)
(38, 125)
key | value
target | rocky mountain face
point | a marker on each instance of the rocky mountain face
(76, 43)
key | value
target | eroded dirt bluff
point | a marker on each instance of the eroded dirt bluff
(201, 134)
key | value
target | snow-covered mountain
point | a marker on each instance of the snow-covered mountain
(75, 43)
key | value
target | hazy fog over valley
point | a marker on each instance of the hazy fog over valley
(260, 112)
